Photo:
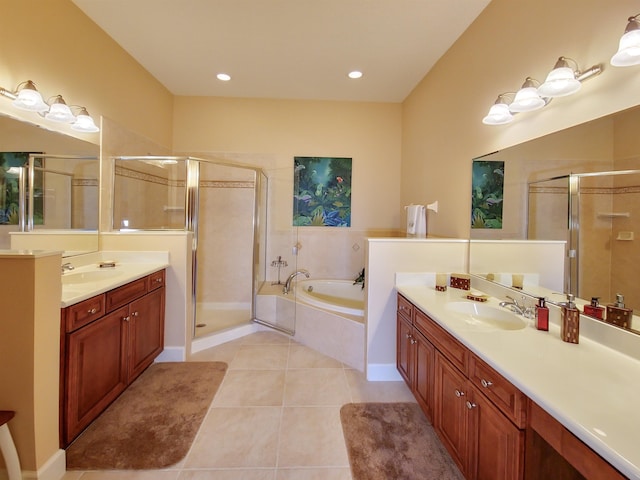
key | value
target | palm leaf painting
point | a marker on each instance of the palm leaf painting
(487, 194)
(322, 192)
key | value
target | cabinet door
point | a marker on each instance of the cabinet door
(97, 370)
(423, 381)
(496, 446)
(451, 410)
(146, 334)
(404, 349)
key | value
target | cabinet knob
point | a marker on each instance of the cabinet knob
(408, 335)
(413, 341)
(470, 405)
(158, 280)
(126, 319)
(134, 314)
(459, 393)
(92, 311)
(486, 383)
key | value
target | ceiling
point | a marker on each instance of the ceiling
(286, 49)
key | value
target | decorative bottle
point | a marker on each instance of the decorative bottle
(542, 315)
(594, 310)
(618, 314)
(570, 321)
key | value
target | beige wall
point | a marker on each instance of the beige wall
(269, 133)
(441, 125)
(54, 44)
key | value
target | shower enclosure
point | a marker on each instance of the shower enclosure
(596, 214)
(224, 205)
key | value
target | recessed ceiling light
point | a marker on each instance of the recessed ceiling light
(224, 77)
(355, 74)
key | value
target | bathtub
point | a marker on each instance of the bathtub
(340, 296)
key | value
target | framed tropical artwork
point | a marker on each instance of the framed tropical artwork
(322, 192)
(10, 162)
(487, 192)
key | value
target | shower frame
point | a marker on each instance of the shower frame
(192, 211)
(572, 282)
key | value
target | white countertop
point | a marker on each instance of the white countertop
(130, 266)
(588, 387)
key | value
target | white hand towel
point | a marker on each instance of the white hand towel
(416, 220)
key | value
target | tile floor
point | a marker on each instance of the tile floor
(274, 417)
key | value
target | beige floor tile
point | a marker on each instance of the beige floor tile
(236, 437)
(71, 475)
(365, 391)
(266, 338)
(301, 356)
(313, 474)
(260, 357)
(232, 474)
(311, 437)
(221, 353)
(251, 388)
(316, 386)
(131, 475)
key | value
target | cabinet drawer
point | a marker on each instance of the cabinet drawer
(126, 293)
(455, 352)
(85, 312)
(505, 396)
(405, 308)
(156, 280)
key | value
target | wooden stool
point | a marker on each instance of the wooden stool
(7, 447)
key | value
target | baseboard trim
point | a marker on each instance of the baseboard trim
(199, 344)
(53, 469)
(383, 372)
(172, 354)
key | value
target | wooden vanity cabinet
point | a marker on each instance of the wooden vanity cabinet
(106, 342)
(479, 416)
(415, 357)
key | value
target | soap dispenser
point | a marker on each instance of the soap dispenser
(618, 314)
(570, 321)
(594, 310)
(542, 315)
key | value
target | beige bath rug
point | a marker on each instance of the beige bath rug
(394, 441)
(153, 423)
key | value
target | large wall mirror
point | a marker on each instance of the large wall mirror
(581, 186)
(64, 184)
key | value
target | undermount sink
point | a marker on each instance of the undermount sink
(487, 315)
(72, 278)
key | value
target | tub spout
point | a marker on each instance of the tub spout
(287, 285)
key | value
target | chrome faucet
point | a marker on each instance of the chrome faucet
(518, 308)
(287, 285)
(67, 267)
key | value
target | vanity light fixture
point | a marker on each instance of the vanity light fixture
(59, 111)
(527, 98)
(628, 53)
(84, 123)
(499, 113)
(28, 98)
(563, 80)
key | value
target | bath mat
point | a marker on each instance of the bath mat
(153, 423)
(394, 441)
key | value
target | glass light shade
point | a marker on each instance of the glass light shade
(560, 82)
(84, 123)
(30, 99)
(628, 53)
(499, 114)
(526, 100)
(60, 112)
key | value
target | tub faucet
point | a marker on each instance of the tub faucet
(287, 285)
(67, 267)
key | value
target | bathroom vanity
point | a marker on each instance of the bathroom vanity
(106, 341)
(487, 393)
